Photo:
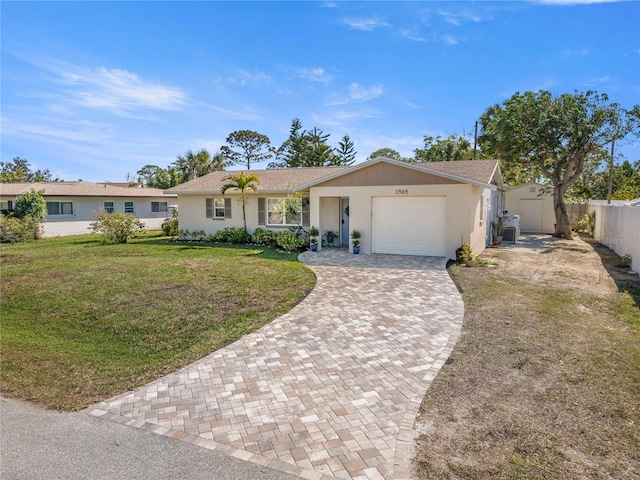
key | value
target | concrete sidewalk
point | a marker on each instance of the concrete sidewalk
(330, 389)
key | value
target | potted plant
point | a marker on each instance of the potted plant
(313, 238)
(355, 241)
(498, 231)
(466, 254)
(331, 235)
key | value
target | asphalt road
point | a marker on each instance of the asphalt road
(40, 444)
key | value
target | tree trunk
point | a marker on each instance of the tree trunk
(244, 215)
(563, 223)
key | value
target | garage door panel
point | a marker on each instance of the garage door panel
(409, 225)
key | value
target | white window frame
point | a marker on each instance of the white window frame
(218, 208)
(109, 209)
(129, 207)
(278, 206)
(60, 209)
(159, 209)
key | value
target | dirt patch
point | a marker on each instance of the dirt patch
(581, 263)
(545, 379)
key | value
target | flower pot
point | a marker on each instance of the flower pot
(356, 250)
(314, 248)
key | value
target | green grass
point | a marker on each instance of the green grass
(82, 321)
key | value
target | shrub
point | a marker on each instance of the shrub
(116, 227)
(170, 227)
(289, 242)
(232, 235)
(14, 229)
(31, 208)
(265, 237)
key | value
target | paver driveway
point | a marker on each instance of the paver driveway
(332, 388)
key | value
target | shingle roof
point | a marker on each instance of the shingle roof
(80, 189)
(478, 170)
(271, 180)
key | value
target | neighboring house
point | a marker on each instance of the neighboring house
(534, 203)
(399, 207)
(72, 205)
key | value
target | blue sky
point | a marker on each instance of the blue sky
(97, 90)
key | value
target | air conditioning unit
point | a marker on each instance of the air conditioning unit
(511, 227)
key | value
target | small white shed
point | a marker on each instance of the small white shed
(534, 203)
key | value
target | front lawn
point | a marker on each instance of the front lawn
(82, 321)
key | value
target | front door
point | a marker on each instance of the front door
(344, 215)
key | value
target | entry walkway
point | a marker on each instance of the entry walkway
(330, 389)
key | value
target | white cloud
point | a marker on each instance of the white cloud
(315, 74)
(365, 24)
(118, 90)
(459, 17)
(583, 52)
(449, 39)
(244, 78)
(412, 35)
(358, 93)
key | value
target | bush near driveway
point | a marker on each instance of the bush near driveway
(82, 321)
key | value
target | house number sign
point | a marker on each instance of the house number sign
(402, 191)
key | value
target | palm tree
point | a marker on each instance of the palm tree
(193, 165)
(242, 182)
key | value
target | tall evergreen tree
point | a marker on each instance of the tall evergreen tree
(345, 153)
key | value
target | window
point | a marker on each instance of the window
(108, 207)
(128, 207)
(6, 206)
(157, 207)
(218, 208)
(59, 208)
(284, 211)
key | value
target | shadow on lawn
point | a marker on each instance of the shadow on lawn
(259, 251)
(625, 281)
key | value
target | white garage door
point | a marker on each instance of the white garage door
(409, 225)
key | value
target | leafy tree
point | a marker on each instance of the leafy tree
(116, 227)
(388, 153)
(157, 177)
(345, 153)
(31, 204)
(30, 208)
(242, 182)
(251, 147)
(594, 183)
(554, 137)
(440, 149)
(19, 171)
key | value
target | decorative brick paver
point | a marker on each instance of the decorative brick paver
(330, 389)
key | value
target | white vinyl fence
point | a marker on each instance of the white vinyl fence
(618, 227)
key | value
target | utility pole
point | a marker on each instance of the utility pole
(475, 141)
(613, 142)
